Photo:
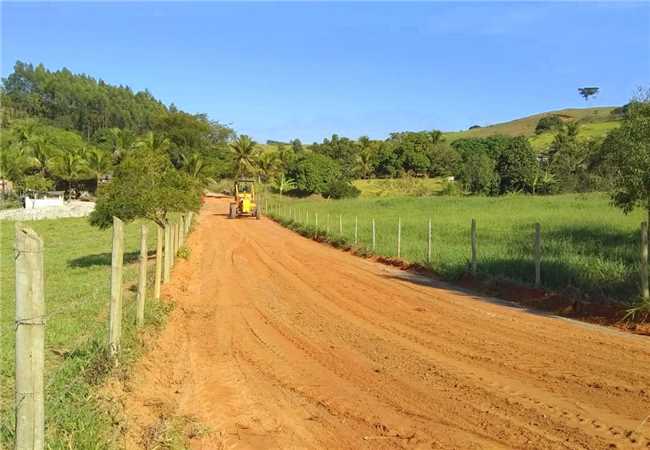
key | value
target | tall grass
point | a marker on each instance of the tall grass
(77, 261)
(589, 247)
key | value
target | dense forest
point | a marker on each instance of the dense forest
(72, 131)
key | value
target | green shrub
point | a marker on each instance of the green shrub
(342, 189)
(548, 123)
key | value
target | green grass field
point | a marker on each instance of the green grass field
(77, 276)
(588, 245)
(408, 187)
(595, 130)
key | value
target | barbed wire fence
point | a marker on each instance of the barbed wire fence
(386, 236)
(31, 317)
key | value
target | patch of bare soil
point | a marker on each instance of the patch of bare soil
(280, 342)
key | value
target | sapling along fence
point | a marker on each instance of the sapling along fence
(525, 253)
(32, 316)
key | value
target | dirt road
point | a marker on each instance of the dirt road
(281, 342)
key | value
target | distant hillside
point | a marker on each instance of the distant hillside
(596, 122)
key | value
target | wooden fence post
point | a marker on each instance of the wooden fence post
(356, 227)
(645, 293)
(374, 239)
(538, 255)
(142, 276)
(182, 230)
(175, 241)
(429, 243)
(168, 252)
(327, 229)
(178, 238)
(159, 258)
(316, 219)
(190, 217)
(474, 247)
(341, 224)
(399, 237)
(115, 315)
(30, 341)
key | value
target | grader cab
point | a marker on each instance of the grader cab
(245, 200)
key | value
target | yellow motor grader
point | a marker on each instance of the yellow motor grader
(244, 204)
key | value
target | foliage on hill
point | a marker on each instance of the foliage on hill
(69, 130)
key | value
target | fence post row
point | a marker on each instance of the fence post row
(159, 257)
(168, 252)
(142, 276)
(176, 227)
(30, 341)
(538, 255)
(182, 229)
(115, 315)
(474, 247)
(645, 293)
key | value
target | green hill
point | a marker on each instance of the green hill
(595, 123)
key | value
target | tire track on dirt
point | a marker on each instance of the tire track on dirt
(286, 343)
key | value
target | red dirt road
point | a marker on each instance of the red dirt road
(280, 342)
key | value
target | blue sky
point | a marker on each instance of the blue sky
(307, 70)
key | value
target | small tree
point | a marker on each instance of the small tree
(145, 185)
(587, 92)
(548, 123)
(628, 152)
(284, 184)
(314, 173)
(516, 165)
(479, 174)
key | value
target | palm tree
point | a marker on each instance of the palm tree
(99, 162)
(14, 162)
(365, 162)
(41, 151)
(286, 156)
(243, 149)
(71, 166)
(282, 183)
(196, 167)
(152, 141)
(121, 142)
(267, 164)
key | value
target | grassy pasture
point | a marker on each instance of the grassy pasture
(588, 245)
(407, 187)
(525, 126)
(595, 130)
(77, 277)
